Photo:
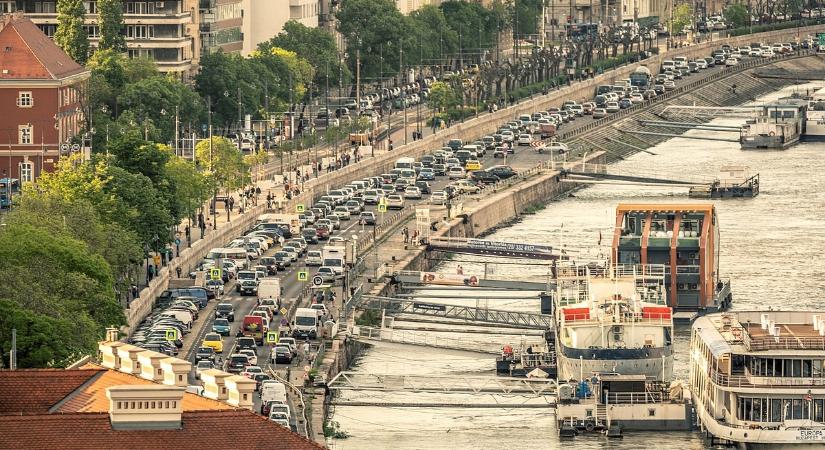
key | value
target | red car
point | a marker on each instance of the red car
(321, 232)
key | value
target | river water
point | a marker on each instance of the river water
(771, 249)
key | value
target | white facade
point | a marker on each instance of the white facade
(264, 19)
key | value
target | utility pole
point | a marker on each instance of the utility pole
(211, 169)
(13, 352)
(358, 79)
(266, 116)
(544, 23)
(177, 128)
(240, 116)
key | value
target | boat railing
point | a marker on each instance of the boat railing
(749, 380)
(638, 319)
(783, 343)
(634, 398)
(538, 359)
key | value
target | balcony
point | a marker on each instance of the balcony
(749, 381)
(160, 18)
(174, 66)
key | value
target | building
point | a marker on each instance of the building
(264, 19)
(166, 31)
(408, 6)
(41, 89)
(134, 398)
(221, 25)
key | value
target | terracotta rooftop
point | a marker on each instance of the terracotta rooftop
(43, 388)
(240, 429)
(27, 53)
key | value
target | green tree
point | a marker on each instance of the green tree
(442, 96)
(682, 17)
(218, 74)
(156, 98)
(110, 22)
(527, 17)
(315, 45)
(192, 188)
(737, 14)
(137, 69)
(223, 163)
(70, 34)
(375, 38)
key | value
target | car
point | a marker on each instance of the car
(251, 354)
(395, 201)
(202, 366)
(327, 274)
(455, 173)
(502, 172)
(342, 212)
(484, 177)
(440, 169)
(599, 113)
(637, 97)
(314, 257)
(214, 341)
(524, 139)
(427, 174)
(465, 186)
(283, 260)
(283, 355)
(354, 206)
(367, 218)
(501, 152)
(248, 287)
(731, 61)
(246, 342)
(236, 363)
(669, 85)
(412, 192)
(472, 164)
(438, 198)
(221, 326)
(216, 286)
(205, 353)
(613, 107)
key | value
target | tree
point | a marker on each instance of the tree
(527, 16)
(223, 163)
(737, 14)
(357, 22)
(155, 99)
(442, 96)
(110, 22)
(218, 75)
(315, 45)
(192, 188)
(682, 17)
(70, 34)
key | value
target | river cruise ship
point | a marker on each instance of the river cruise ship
(612, 319)
(779, 125)
(757, 378)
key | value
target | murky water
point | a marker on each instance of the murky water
(771, 249)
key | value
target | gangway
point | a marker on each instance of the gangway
(468, 313)
(496, 248)
(414, 278)
(710, 111)
(630, 179)
(427, 339)
(441, 384)
(691, 125)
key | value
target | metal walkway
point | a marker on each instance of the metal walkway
(408, 306)
(362, 381)
(496, 248)
(711, 111)
(426, 339)
(406, 277)
(632, 179)
(444, 405)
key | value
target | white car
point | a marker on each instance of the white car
(756, 52)
(613, 107)
(455, 173)
(554, 147)
(203, 366)
(507, 136)
(525, 139)
(314, 258)
(342, 212)
(412, 192)
(669, 85)
(253, 357)
(438, 198)
(395, 201)
(463, 186)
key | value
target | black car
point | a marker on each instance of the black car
(423, 186)
(225, 311)
(440, 169)
(659, 89)
(237, 363)
(248, 287)
(282, 355)
(270, 263)
(428, 160)
(260, 378)
(482, 176)
(310, 235)
(503, 172)
(246, 343)
(207, 353)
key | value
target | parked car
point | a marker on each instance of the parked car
(367, 218)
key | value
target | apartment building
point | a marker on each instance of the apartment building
(221, 25)
(166, 31)
(263, 19)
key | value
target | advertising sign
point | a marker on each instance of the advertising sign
(449, 279)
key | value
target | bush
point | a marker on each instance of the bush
(741, 31)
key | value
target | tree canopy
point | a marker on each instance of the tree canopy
(110, 22)
(316, 46)
(70, 34)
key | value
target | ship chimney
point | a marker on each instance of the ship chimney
(776, 334)
(145, 407)
(816, 322)
(764, 321)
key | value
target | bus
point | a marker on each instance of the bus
(582, 31)
(404, 163)
(8, 189)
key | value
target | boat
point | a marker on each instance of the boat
(613, 404)
(683, 237)
(778, 125)
(757, 378)
(731, 182)
(815, 118)
(612, 319)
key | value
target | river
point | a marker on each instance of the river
(771, 249)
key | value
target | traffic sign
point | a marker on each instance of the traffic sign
(382, 208)
(299, 208)
(64, 147)
(271, 337)
(75, 147)
(317, 281)
(283, 311)
(537, 144)
(303, 275)
(177, 241)
(172, 334)
(215, 274)
(204, 128)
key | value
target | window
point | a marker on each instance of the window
(24, 134)
(140, 31)
(141, 53)
(140, 7)
(26, 172)
(91, 7)
(7, 6)
(93, 31)
(48, 29)
(45, 7)
(25, 99)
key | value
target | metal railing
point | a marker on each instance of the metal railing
(452, 384)
(634, 398)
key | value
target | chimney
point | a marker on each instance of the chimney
(128, 355)
(175, 371)
(111, 334)
(150, 365)
(240, 390)
(145, 407)
(108, 354)
(214, 384)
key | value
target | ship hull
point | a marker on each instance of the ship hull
(656, 363)
(814, 129)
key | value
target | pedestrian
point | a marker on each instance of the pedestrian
(459, 270)
(415, 237)
(135, 292)
(150, 273)
(231, 203)
(405, 234)
(306, 350)
(390, 144)
(178, 271)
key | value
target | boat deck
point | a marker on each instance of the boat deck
(789, 330)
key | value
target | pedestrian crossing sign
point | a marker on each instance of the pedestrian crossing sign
(271, 337)
(303, 275)
(171, 334)
(382, 208)
(283, 311)
(299, 208)
(215, 274)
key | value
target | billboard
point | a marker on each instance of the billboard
(503, 247)
(449, 279)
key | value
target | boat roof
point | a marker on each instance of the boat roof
(769, 333)
(665, 207)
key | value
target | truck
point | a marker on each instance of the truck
(270, 288)
(293, 221)
(306, 323)
(254, 327)
(640, 77)
(334, 258)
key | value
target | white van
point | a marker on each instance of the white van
(238, 255)
(668, 65)
(404, 163)
(314, 258)
(269, 288)
(273, 390)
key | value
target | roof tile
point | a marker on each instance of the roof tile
(43, 388)
(27, 53)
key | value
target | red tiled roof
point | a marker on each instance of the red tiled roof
(37, 390)
(239, 429)
(27, 53)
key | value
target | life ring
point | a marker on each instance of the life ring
(772, 133)
(589, 426)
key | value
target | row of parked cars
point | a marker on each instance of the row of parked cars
(175, 310)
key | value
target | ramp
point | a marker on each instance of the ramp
(427, 339)
(468, 313)
(412, 278)
(495, 248)
(362, 381)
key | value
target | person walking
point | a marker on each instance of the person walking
(178, 271)
(306, 350)
(150, 273)
(405, 233)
